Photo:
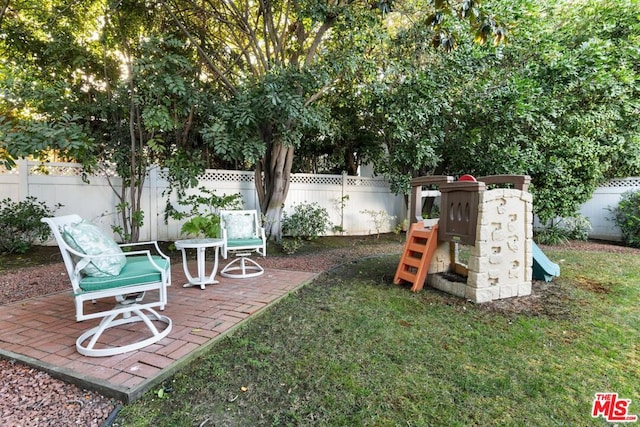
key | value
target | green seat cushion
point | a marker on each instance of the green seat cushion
(137, 271)
(243, 242)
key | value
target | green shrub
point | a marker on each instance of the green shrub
(291, 246)
(560, 231)
(577, 227)
(308, 221)
(20, 224)
(552, 234)
(379, 218)
(627, 216)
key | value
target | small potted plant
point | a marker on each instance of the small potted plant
(207, 226)
(203, 219)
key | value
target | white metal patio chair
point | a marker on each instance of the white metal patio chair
(242, 235)
(98, 268)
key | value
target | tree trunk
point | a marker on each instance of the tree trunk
(350, 162)
(272, 176)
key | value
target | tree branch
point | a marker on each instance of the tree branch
(230, 87)
(3, 12)
(313, 98)
(269, 28)
(283, 20)
(247, 28)
(326, 25)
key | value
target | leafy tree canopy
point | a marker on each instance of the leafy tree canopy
(558, 102)
(188, 84)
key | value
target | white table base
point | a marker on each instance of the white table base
(200, 245)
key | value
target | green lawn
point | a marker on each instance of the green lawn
(352, 349)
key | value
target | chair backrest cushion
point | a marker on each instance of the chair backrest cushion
(88, 239)
(239, 226)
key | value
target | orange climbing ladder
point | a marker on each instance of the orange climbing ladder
(417, 254)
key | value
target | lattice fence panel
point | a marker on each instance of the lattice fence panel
(367, 182)
(55, 170)
(625, 182)
(226, 176)
(316, 179)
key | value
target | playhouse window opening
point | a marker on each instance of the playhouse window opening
(463, 253)
(460, 254)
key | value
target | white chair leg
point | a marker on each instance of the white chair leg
(110, 321)
(242, 271)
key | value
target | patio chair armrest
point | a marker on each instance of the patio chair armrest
(224, 242)
(153, 243)
(262, 236)
(149, 256)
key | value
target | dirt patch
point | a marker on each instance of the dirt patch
(552, 299)
(37, 256)
(548, 299)
(592, 285)
(596, 246)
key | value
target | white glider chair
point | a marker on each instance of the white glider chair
(98, 268)
(242, 235)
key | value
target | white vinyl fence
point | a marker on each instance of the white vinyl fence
(604, 199)
(62, 183)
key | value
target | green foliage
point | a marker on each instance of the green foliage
(202, 213)
(560, 231)
(202, 225)
(411, 115)
(552, 234)
(20, 224)
(291, 246)
(308, 221)
(23, 138)
(578, 227)
(104, 88)
(107, 85)
(627, 216)
(379, 218)
(434, 212)
(245, 126)
(340, 205)
(133, 219)
(558, 103)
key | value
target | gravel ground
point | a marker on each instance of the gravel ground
(29, 397)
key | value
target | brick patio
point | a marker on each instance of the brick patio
(41, 332)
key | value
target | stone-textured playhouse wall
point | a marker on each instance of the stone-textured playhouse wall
(501, 261)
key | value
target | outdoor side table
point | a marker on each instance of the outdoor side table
(200, 245)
